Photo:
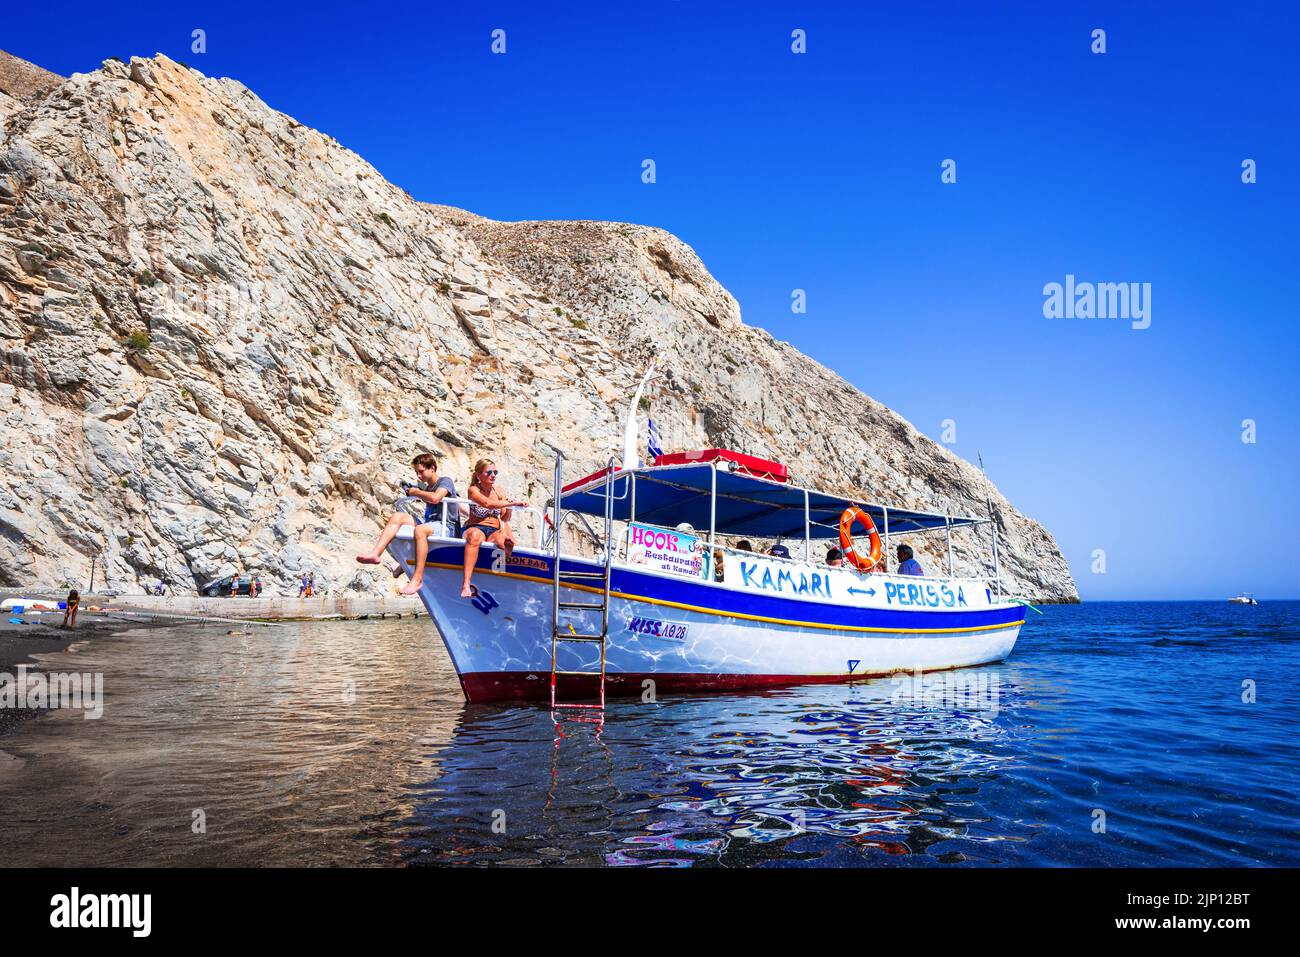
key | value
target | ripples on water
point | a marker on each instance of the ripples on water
(350, 743)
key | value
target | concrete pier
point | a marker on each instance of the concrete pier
(264, 608)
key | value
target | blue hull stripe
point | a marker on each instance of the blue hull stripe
(728, 602)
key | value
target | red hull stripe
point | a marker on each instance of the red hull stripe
(536, 685)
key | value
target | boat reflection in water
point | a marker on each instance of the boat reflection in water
(880, 770)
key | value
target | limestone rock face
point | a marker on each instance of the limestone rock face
(223, 336)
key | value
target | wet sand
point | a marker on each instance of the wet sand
(42, 635)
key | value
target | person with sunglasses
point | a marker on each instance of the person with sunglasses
(489, 518)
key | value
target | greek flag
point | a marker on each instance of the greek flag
(652, 441)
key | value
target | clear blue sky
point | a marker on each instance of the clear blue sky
(822, 172)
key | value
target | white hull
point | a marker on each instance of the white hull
(500, 642)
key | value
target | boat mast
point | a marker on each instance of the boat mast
(630, 459)
(993, 525)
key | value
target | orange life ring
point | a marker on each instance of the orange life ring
(848, 519)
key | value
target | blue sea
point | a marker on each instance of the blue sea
(1116, 735)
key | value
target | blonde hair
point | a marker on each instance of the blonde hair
(479, 466)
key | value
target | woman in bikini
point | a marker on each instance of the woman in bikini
(70, 609)
(489, 518)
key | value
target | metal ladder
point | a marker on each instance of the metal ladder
(565, 632)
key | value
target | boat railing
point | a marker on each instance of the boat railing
(550, 522)
(876, 574)
(415, 507)
(547, 538)
(731, 555)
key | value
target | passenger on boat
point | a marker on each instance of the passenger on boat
(834, 558)
(717, 564)
(907, 565)
(430, 489)
(779, 551)
(744, 545)
(489, 518)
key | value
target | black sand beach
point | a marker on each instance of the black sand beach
(42, 635)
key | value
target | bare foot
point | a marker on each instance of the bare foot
(368, 559)
(468, 591)
(411, 587)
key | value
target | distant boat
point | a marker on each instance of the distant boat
(1245, 598)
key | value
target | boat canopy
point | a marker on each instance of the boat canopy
(746, 505)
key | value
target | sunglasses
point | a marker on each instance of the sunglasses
(491, 472)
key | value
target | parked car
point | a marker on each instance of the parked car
(221, 588)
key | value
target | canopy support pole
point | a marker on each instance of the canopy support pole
(713, 503)
(631, 518)
(807, 528)
(885, 557)
(947, 524)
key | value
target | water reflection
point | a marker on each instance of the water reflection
(789, 775)
(350, 743)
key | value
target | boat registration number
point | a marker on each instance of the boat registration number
(656, 628)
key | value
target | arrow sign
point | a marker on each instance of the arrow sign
(862, 591)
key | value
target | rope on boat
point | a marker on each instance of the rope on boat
(1021, 600)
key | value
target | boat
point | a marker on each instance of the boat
(640, 603)
(1245, 598)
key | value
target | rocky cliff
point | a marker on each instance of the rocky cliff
(20, 80)
(223, 336)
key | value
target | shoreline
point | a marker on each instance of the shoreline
(20, 643)
(262, 608)
(41, 634)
